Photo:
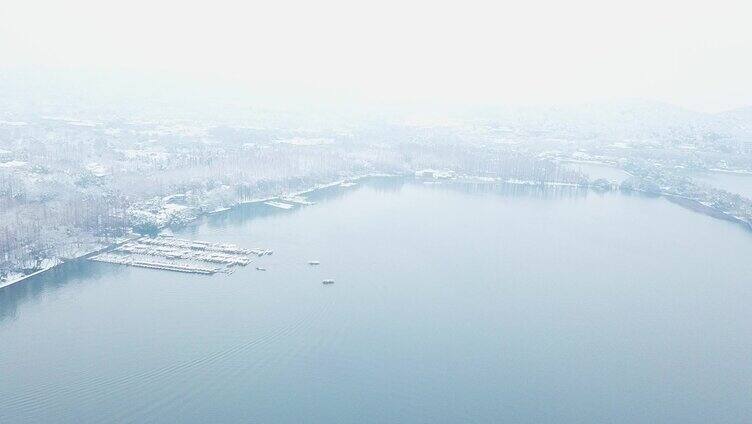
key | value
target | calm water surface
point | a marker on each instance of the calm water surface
(451, 304)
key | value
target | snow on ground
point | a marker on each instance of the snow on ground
(13, 164)
(97, 169)
(15, 277)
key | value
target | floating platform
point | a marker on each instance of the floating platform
(192, 269)
(279, 205)
(298, 200)
(169, 241)
(181, 255)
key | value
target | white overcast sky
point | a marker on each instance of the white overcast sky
(695, 54)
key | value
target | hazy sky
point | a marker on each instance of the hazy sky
(694, 54)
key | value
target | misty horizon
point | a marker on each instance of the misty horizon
(540, 53)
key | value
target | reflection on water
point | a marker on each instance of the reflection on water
(517, 190)
(245, 212)
(46, 283)
(75, 272)
(452, 303)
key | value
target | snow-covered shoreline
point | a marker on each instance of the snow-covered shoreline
(51, 263)
(347, 182)
(17, 278)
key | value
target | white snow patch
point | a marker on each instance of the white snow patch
(13, 164)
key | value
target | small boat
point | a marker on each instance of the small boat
(259, 268)
(313, 262)
(327, 282)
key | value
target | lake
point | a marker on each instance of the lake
(452, 303)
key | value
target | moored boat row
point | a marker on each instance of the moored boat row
(174, 254)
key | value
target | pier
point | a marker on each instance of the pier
(298, 200)
(192, 269)
(279, 205)
(289, 201)
(180, 255)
